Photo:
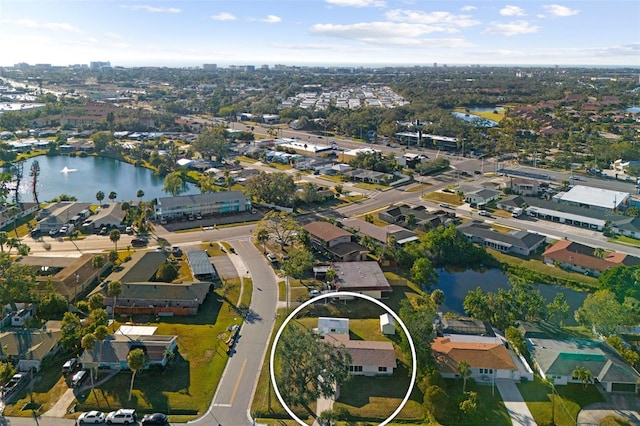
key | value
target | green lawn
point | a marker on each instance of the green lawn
(569, 400)
(371, 186)
(444, 197)
(491, 409)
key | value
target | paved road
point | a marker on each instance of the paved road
(232, 400)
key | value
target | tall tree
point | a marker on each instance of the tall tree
(309, 368)
(114, 236)
(112, 196)
(262, 235)
(212, 142)
(300, 261)
(464, 370)
(139, 195)
(173, 183)
(273, 188)
(98, 263)
(280, 226)
(584, 375)
(114, 290)
(88, 343)
(136, 360)
(35, 174)
(71, 329)
(423, 273)
(100, 197)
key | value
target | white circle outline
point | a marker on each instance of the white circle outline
(332, 295)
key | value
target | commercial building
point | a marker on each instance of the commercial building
(227, 202)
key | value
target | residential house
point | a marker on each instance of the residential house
(28, 348)
(329, 325)
(368, 358)
(628, 226)
(419, 215)
(522, 186)
(141, 268)
(335, 241)
(108, 216)
(518, 241)
(381, 234)
(362, 277)
(111, 353)
(369, 176)
(226, 202)
(557, 359)
(488, 358)
(482, 197)
(156, 298)
(581, 258)
(59, 214)
(511, 202)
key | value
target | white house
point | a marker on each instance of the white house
(387, 324)
(368, 358)
(328, 325)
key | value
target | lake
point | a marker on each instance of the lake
(84, 177)
(456, 285)
(484, 109)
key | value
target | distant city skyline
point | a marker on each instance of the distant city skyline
(179, 33)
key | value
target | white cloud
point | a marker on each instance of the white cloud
(224, 16)
(271, 19)
(511, 28)
(113, 36)
(54, 26)
(388, 33)
(468, 8)
(358, 3)
(151, 9)
(512, 11)
(558, 10)
(439, 19)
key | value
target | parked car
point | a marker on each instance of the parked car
(70, 365)
(155, 419)
(484, 213)
(129, 230)
(272, 257)
(198, 216)
(91, 417)
(53, 232)
(314, 293)
(138, 242)
(103, 231)
(176, 251)
(78, 378)
(63, 231)
(445, 205)
(123, 416)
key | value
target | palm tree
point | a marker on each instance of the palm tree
(137, 360)
(100, 197)
(113, 195)
(599, 252)
(88, 342)
(584, 375)
(114, 290)
(465, 371)
(4, 238)
(140, 194)
(98, 262)
(114, 236)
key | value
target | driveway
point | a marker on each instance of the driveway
(619, 405)
(517, 408)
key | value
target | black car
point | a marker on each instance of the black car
(155, 419)
(138, 242)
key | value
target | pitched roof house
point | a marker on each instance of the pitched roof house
(381, 233)
(29, 347)
(112, 352)
(361, 277)
(488, 358)
(581, 258)
(520, 242)
(558, 359)
(368, 358)
(335, 241)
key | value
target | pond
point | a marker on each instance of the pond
(484, 109)
(84, 177)
(633, 109)
(456, 285)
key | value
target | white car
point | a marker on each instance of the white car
(91, 417)
(123, 416)
(272, 257)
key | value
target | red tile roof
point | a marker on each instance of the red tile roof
(449, 354)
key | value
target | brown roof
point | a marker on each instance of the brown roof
(325, 231)
(449, 354)
(365, 352)
(566, 251)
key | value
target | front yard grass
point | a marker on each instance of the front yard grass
(444, 197)
(371, 186)
(569, 400)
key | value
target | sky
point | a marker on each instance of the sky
(183, 33)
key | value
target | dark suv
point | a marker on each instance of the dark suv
(138, 242)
